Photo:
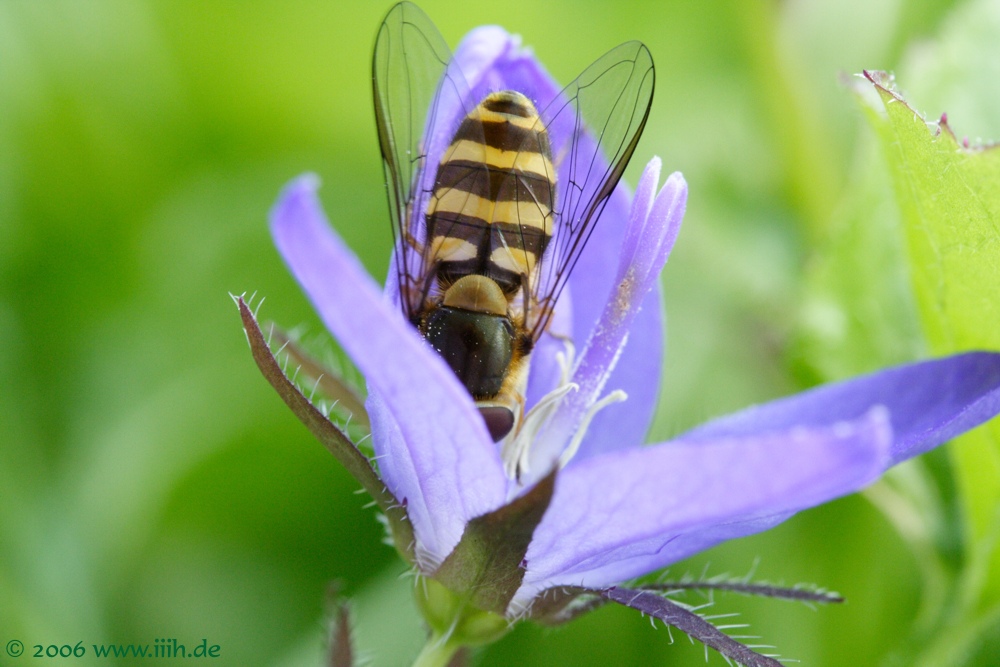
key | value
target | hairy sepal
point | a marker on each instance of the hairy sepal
(659, 607)
(488, 565)
(335, 440)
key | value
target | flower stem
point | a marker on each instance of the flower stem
(437, 652)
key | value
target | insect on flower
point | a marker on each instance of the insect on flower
(486, 239)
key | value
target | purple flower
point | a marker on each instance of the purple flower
(619, 508)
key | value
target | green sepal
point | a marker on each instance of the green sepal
(487, 565)
(345, 451)
(328, 382)
(454, 619)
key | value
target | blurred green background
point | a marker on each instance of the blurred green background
(151, 482)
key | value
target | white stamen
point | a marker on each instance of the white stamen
(566, 360)
(514, 453)
(516, 447)
(617, 396)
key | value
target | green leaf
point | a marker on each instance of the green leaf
(949, 198)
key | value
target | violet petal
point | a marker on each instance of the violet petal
(639, 368)
(637, 373)
(432, 446)
(929, 403)
(609, 511)
(650, 235)
(644, 556)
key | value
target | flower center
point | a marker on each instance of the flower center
(516, 449)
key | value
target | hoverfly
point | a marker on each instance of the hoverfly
(487, 235)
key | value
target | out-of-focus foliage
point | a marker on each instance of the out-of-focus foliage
(151, 484)
(948, 190)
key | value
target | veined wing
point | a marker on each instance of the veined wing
(594, 125)
(412, 73)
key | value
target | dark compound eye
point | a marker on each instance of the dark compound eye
(477, 346)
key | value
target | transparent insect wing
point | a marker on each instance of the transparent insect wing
(415, 79)
(421, 97)
(594, 125)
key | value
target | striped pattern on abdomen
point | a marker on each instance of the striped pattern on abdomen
(491, 211)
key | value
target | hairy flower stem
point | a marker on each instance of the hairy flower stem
(437, 652)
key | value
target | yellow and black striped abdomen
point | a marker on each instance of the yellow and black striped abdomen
(491, 211)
